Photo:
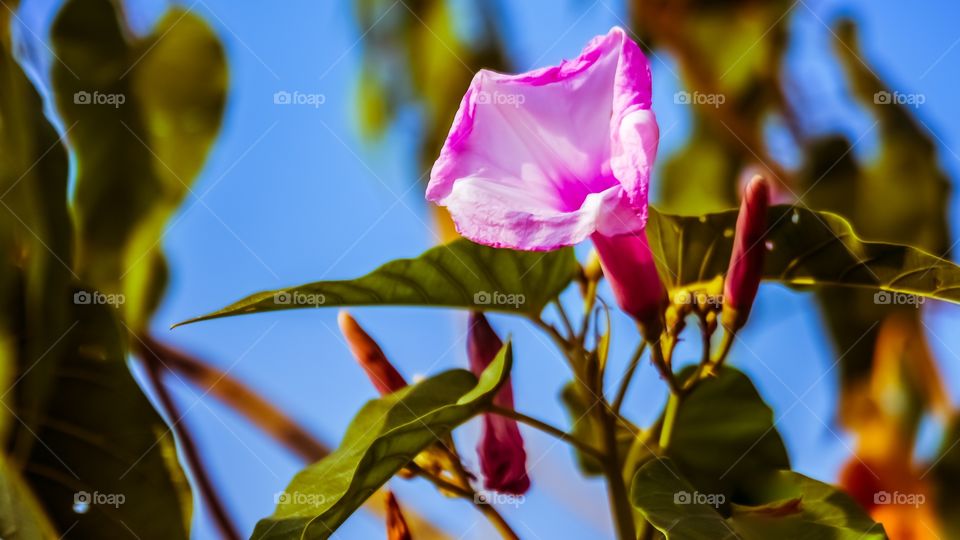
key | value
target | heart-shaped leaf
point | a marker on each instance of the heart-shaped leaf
(787, 505)
(725, 433)
(384, 437)
(142, 114)
(460, 274)
(805, 247)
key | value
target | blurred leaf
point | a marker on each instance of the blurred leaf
(384, 436)
(877, 201)
(945, 474)
(415, 55)
(804, 248)
(727, 416)
(21, 516)
(585, 427)
(101, 437)
(35, 242)
(791, 506)
(696, 179)
(460, 274)
(142, 116)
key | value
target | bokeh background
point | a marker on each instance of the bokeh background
(293, 194)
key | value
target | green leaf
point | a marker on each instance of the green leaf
(805, 247)
(727, 416)
(791, 505)
(384, 437)
(21, 516)
(673, 506)
(586, 427)
(101, 436)
(142, 115)
(787, 505)
(460, 274)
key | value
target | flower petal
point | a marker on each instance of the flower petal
(544, 159)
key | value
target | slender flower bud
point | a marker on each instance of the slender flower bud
(628, 266)
(502, 457)
(381, 372)
(397, 528)
(746, 260)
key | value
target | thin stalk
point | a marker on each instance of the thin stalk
(664, 368)
(589, 300)
(628, 376)
(491, 513)
(200, 476)
(565, 319)
(238, 396)
(669, 419)
(704, 366)
(558, 339)
(547, 428)
(729, 336)
(616, 488)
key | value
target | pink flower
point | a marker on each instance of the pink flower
(548, 158)
(502, 457)
(370, 356)
(746, 261)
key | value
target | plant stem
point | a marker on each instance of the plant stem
(664, 368)
(238, 396)
(547, 428)
(616, 489)
(669, 418)
(564, 319)
(189, 449)
(491, 513)
(628, 376)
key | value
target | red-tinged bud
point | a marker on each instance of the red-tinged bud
(397, 528)
(746, 260)
(502, 457)
(381, 372)
(629, 267)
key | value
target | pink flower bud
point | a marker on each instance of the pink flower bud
(397, 528)
(502, 457)
(381, 372)
(629, 268)
(746, 260)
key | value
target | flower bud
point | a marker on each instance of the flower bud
(370, 356)
(628, 265)
(502, 457)
(397, 528)
(746, 260)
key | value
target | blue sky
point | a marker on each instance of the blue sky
(293, 194)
